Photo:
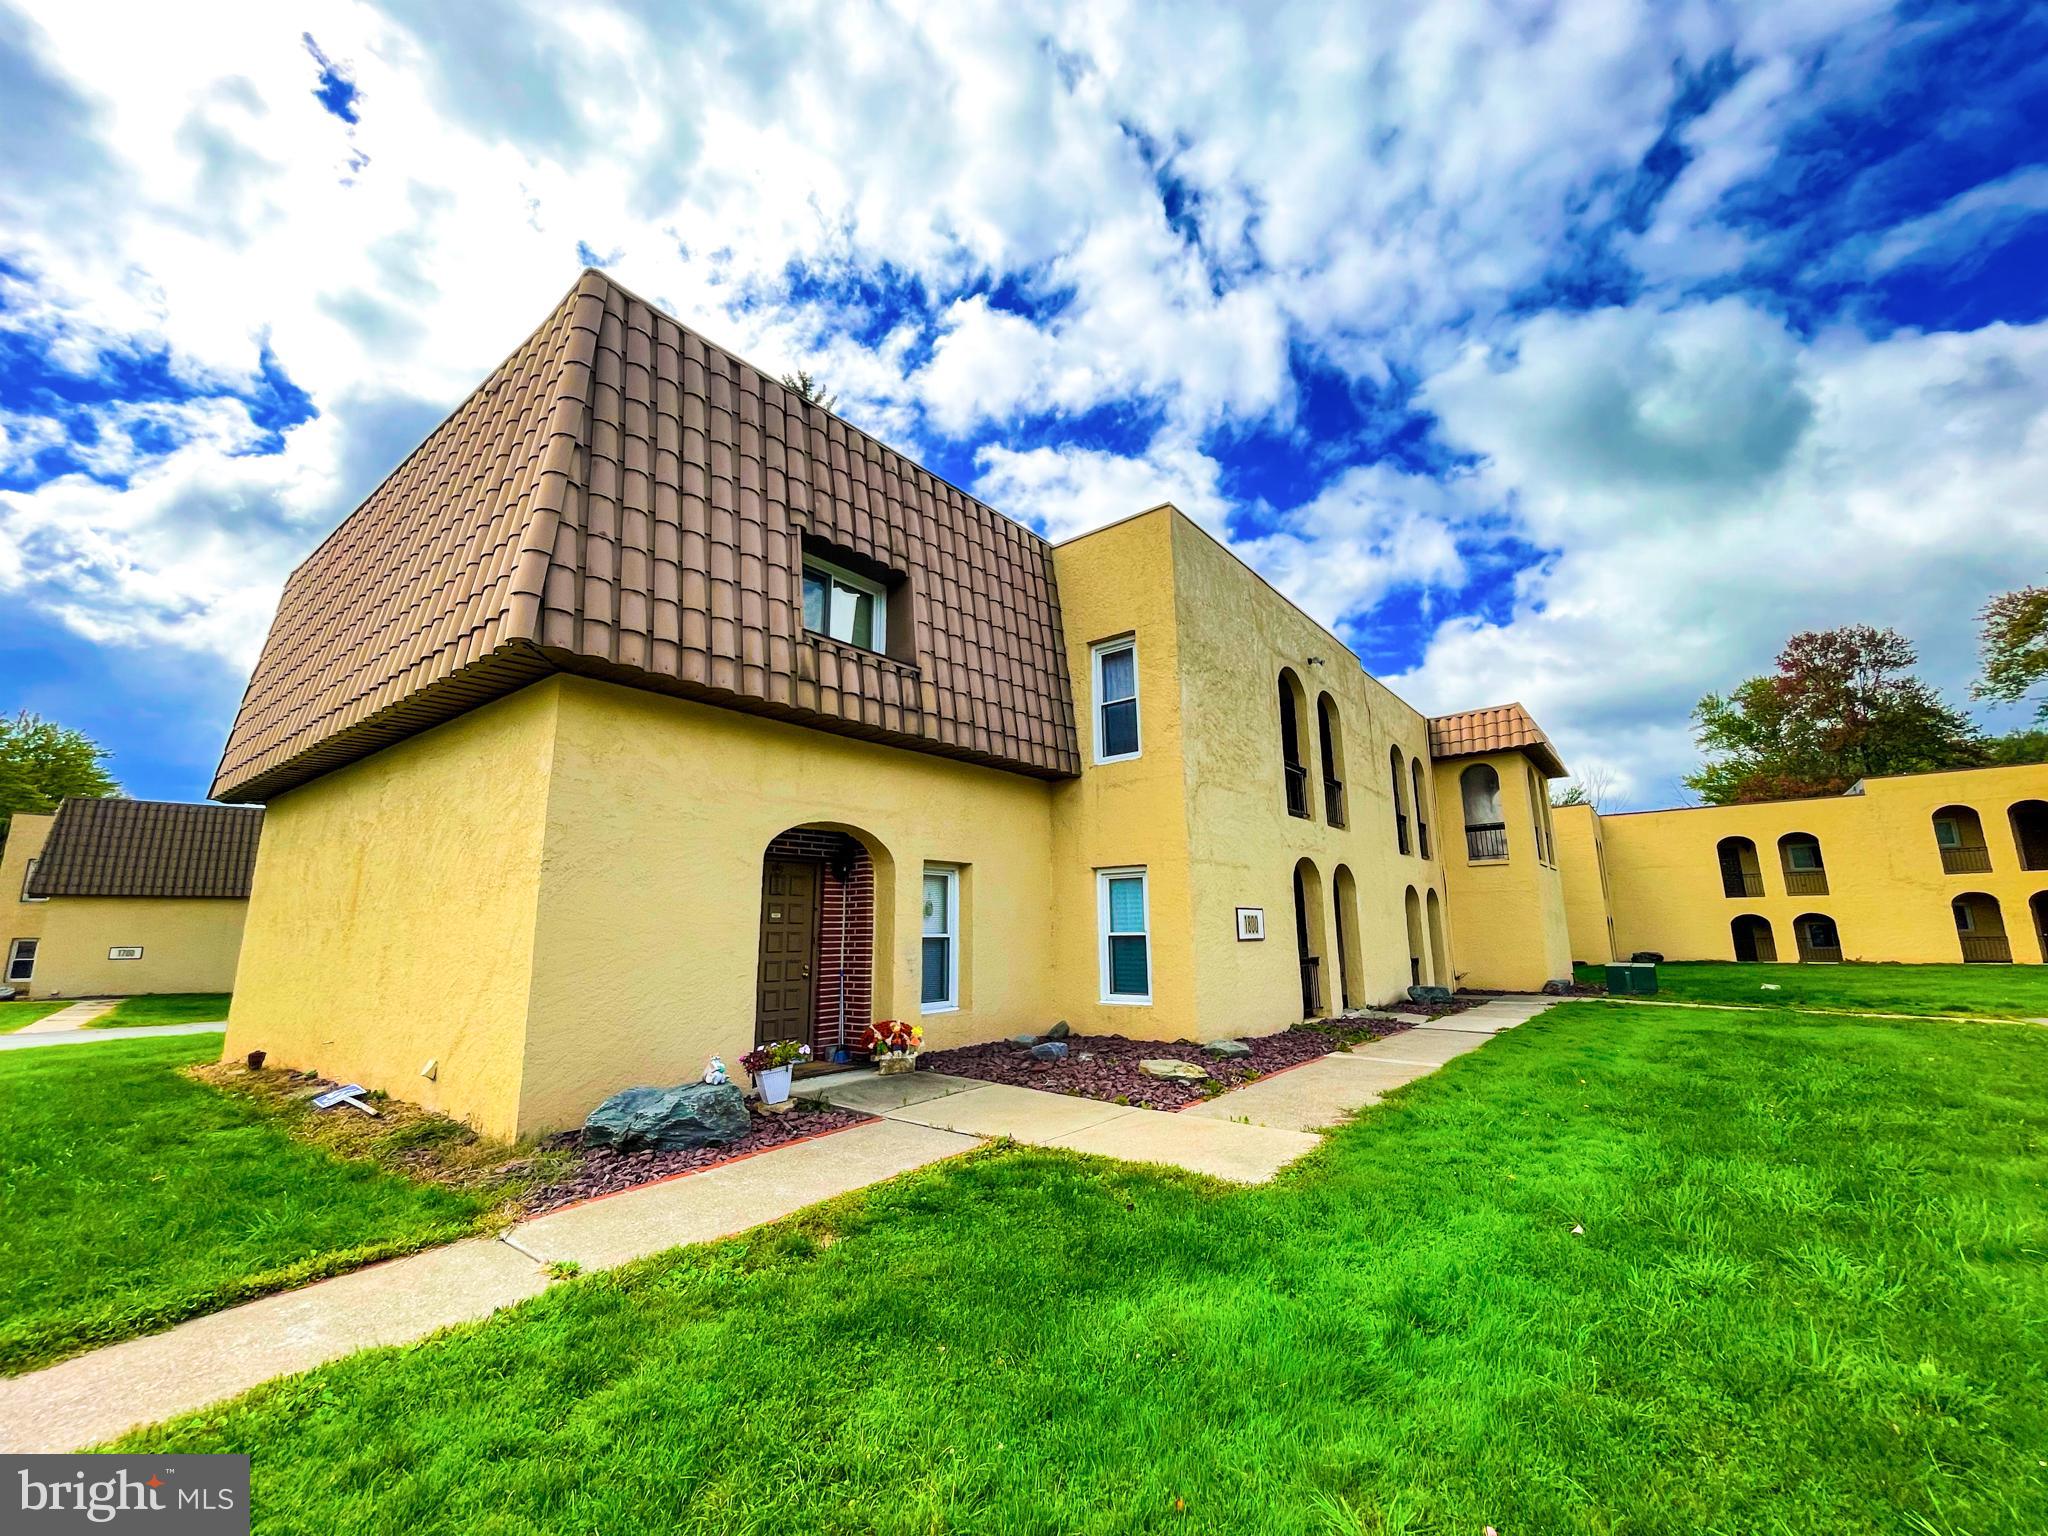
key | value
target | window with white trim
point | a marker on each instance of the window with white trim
(27, 875)
(941, 940)
(1123, 912)
(1947, 834)
(21, 960)
(845, 606)
(1116, 700)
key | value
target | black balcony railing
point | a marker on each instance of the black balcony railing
(1986, 948)
(1401, 831)
(1297, 791)
(1966, 861)
(1741, 882)
(1821, 954)
(1487, 840)
(1806, 882)
(1333, 802)
(1311, 987)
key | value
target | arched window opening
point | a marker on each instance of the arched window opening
(1486, 831)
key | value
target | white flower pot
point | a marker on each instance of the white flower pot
(773, 1083)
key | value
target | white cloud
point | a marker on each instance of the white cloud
(1068, 491)
(1967, 223)
(1894, 482)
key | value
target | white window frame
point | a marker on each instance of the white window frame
(1966, 921)
(14, 958)
(1792, 856)
(1953, 829)
(27, 875)
(1096, 653)
(950, 873)
(867, 584)
(1103, 933)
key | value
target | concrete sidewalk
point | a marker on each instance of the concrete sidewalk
(1245, 1136)
(26, 1038)
(95, 1397)
(64, 1020)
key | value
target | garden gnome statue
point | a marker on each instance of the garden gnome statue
(715, 1073)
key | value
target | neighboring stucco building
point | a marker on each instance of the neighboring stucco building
(117, 897)
(648, 710)
(1922, 867)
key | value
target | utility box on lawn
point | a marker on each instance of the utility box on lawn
(1632, 980)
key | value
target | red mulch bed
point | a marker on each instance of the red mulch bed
(1106, 1066)
(606, 1170)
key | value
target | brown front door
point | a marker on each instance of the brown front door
(789, 938)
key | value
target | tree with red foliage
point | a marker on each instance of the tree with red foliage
(1843, 705)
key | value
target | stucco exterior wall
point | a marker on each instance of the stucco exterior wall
(391, 918)
(1512, 931)
(24, 919)
(1115, 582)
(1236, 636)
(1581, 866)
(187, 945)
(647, 937)
(1887, 890)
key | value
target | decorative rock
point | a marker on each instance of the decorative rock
(1429, 994)
(1059, 1031)
(669, 1119)
(1646, 957)
(1558, 988)
(1229, 1050)
(1050, 1050)
(1023, 1039)
(1175, 1070)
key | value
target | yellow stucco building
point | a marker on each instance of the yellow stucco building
(648, 711)
(119, 897)
(1917, 868)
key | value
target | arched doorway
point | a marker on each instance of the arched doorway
(1418, 954)
(1741, 877)
(1350, 966)
(1805, 873)
(1308, 937)
(1980, 929)
(1819, 940)
(1293, 750)
(1959, 835)
(1440, 969)
(826, 905)
(1753, 938)
(2029, 819)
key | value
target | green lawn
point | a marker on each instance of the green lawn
(1999, 991)
(166, 1008)
(1624, 1270)
(14, 1015)
(133, 1197)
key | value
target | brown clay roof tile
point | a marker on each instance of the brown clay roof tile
(624, 499)
(1497, 728)
(160, 848)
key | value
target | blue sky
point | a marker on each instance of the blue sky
(1575, 352)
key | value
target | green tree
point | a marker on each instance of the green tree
(801, 383)
(42, 762)
(1842, 705)
(2013, 641)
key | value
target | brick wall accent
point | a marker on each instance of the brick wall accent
(846, 933)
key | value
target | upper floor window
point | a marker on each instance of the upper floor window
(28, 875)
(1400, 800)
(845, 606)
(1805, 873)
(1332, 737)
(1293, 702)
(1959, 835)
(1116, 700)
(1486, 832)
(1421, 808)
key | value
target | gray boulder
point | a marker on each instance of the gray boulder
(1429, 994)
(1229, 1050)
(1059, 1031)
(669, 1119)
(1050, 1050)
(1561, 987)
(1173, 1069)
(1023, 1039)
